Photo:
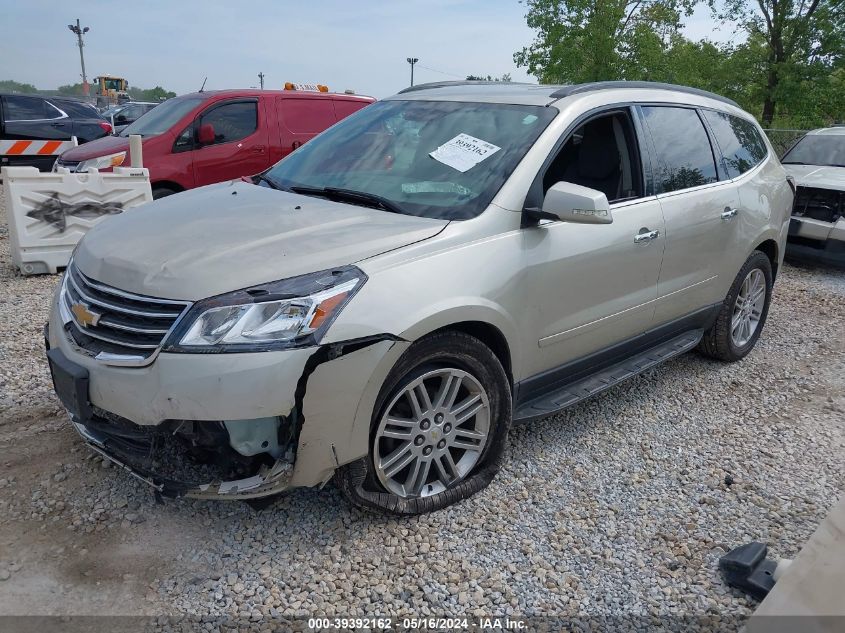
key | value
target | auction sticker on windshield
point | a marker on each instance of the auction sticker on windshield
(464, 152)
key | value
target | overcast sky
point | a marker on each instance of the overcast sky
(360, 45)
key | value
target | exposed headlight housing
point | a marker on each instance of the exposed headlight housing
(102, 162)
(290, 313)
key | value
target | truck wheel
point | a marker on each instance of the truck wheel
(743, 312)
(162, 192)
(439, 429)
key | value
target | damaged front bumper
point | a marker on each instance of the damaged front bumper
(217, 409)
(817, 226)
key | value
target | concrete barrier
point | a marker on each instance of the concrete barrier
(48, 213)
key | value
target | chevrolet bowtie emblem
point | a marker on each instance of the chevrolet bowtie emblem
(84, 316)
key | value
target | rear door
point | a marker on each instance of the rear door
(700, 206)
(302, 118)
(34, 118)
(240, 141)
(33, 131)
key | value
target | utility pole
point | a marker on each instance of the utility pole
(412, 61)
(261, 79)
(79, 31)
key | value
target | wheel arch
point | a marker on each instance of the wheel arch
(770, 249)
(483, 319)
(167, 184)
(488, 334)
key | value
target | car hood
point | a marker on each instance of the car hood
(225, 237)
(817, 176)
(99, 147)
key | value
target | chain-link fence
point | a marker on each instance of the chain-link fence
(782, 140)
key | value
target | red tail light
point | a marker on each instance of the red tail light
(106, 126)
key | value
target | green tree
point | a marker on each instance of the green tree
(582, 40)
(506, 78)
(798, 42)
(150, 94)
(8, 85)
(73, 90)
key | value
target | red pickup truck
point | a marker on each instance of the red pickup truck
(207, 137)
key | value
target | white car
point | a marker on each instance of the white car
(817, 163)
(382, 304)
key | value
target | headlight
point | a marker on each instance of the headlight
(102, 162)
(289, 313)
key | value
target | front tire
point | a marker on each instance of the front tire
(743, 313)
(439, 428)
(162, 192)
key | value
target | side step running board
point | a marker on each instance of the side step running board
(569, 394)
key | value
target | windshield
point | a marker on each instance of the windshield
(437, 159)
(162, 118)
(816, 149)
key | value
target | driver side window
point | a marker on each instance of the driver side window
(600, 154)
(232, 121)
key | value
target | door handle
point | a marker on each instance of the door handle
(258, 149)
(728, 213)
(58, 124)
(646, 236)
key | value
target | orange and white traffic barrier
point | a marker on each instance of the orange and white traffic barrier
(34, 148)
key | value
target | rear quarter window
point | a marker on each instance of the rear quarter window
(742, 146)
(682, 147)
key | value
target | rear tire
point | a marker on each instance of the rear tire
(440, 452)
(743, 313)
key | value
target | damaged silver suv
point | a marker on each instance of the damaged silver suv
(381, 305)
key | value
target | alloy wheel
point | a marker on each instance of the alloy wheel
(432, 434)
(748, 308)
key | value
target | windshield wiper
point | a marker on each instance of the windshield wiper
(350, 195)
(270, 182)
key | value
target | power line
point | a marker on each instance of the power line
(442, 72)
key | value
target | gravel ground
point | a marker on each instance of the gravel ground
(620, 506)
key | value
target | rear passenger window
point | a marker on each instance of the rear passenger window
(27, 109)
(740, 142)
(684, 155)
(232, 121)
(307, 116)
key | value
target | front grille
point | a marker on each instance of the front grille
(826, 205)
(125, 323)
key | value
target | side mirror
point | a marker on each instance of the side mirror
(120, 118)
(206, 134)
(573, 203)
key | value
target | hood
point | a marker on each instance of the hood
(100, 147)
(816, 176)
(225, 237)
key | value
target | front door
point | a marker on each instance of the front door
(594, 285)
(240, 142)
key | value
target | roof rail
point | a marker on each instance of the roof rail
(469, 82)
(567, 91)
